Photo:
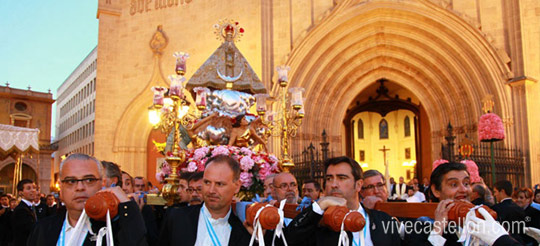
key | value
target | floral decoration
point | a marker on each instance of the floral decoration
(165, 171)
(255, 165)
(438, 162)
(490, 128)
(472, 168)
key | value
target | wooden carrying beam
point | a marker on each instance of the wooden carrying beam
(407, 210)
(395, 209)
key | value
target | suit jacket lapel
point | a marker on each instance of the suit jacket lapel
(29, 210)
(53, 231)
(372, 227)
(193, 218)
(236, 232)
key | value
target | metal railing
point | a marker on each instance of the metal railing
(309, 162)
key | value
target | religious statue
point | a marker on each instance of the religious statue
(220, 129)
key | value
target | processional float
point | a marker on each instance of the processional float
(223, 109)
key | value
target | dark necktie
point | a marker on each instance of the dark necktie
(34, 212)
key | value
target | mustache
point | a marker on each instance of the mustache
(290, 194)
(196, 199)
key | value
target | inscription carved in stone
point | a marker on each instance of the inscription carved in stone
(143, 6)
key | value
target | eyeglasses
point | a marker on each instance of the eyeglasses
(285, 186)
(191, 190)
(379, 186)
(85, 181)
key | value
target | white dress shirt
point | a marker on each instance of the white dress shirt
(28, 203)
(356, 235)
(221, 227)
(68, 232)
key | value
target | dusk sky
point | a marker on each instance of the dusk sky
(44, 41)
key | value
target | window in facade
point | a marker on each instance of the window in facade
(360, 129)
(383, 129)
(20, 106)
(407, 125)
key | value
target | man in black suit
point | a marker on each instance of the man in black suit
(82, 177)
(509, 214)
(343, 182)
(5, 220)
(24, 215)
(51, 205)
(211, 223)
(40, 207)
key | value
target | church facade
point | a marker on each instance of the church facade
(433, 60)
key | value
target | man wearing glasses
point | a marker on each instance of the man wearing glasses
(374, 189)
(195, 183)
(286, 187)
(81, 177)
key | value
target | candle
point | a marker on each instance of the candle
(282, 75)
(181, 58)
(296, 97)
(200, 101)
(177, 87)
(159, 94)
(261, 103)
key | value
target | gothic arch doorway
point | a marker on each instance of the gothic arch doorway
(386, 115)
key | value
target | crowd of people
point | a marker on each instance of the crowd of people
(203, 213)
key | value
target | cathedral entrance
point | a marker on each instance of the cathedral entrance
(385, 126)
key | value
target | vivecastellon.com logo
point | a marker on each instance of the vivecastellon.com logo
(452, 227)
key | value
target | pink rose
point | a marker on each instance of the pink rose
(472, 168)
(200, 153)
(220, 150)
(246, 163)
(436, 163)
(192, 167)
(246, 151)
(246, 179)
(265, 170)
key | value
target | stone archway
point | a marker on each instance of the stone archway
(381, 99)
(448, 63)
